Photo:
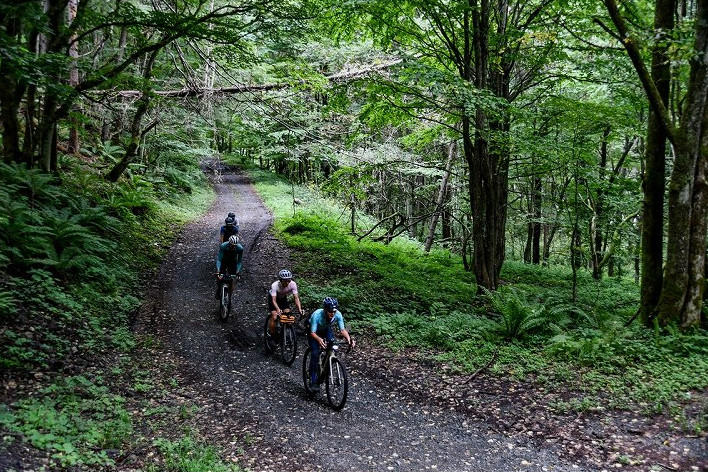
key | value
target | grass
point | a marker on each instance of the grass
(426, 301)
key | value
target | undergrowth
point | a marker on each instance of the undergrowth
(538, 333)
(73, 256)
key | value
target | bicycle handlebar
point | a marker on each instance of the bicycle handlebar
(332, 343)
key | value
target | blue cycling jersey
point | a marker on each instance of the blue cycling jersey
(319, 322)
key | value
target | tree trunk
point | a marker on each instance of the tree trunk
(653, 181)
(682, 288)
(73, 145)
(136, 131)
(452, 150)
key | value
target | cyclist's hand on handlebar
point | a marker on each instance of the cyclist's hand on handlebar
(352, 343)
(323, 343)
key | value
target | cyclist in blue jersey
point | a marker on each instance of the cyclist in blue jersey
(321, 322)
(229, 259)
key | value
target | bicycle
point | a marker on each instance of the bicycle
(226, 285)
(331, 370)
(284, 336)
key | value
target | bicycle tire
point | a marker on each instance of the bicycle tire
(288, 344)
(269, 342)
(306, 372)
(337, 384)
(224, 302)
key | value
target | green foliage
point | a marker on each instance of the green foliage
(75, 420)
(190, 455)
(518, 317)
(426, 303)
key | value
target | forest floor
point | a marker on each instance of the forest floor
(213, 380)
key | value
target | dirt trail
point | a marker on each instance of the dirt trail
(259, 405)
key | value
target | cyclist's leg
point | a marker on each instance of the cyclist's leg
(218, 285)
(314, 359)
(273, 314)
(282, 304)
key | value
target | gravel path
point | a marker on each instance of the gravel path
(260, 401)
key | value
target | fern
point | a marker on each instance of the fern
(517, 317)
(8, 303)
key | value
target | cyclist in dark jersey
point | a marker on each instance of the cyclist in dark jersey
(229, 229)
(229, 259)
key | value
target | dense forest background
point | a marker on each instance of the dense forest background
(549, 148)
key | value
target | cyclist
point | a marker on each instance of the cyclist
(230, 228)
(321, 322)
(229, 259)
(278, 297)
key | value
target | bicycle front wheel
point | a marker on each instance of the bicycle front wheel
(225, 303)
(306, 372)
(288, 344)
(269, 342)
(337, 385)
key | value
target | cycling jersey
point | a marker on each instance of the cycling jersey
(229, 257)
(281, 292)
(320, 324)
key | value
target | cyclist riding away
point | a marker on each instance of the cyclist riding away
(278, 297)
(230, 228)
(321, 322)
(229, 259)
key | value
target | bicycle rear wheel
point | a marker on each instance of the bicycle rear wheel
(288, 344)
(337, 385)
(306, 372)
(269, 342)
(224, 302)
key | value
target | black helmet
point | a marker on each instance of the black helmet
(330, 304)
(230, 220)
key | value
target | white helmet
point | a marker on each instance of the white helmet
(285, 274)
(233, 240)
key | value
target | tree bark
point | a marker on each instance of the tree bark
(452, 150)
(682, 287)
(654, 178)
(136, 131)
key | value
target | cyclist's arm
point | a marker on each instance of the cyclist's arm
(219, 258)
(296, 298)
(313, 331)
(239, 258)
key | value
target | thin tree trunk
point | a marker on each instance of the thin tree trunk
(73, 145)
(136, 130)
(452, 150)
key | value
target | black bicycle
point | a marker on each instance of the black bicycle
(330, 371)
(226, 286)
(284, 336)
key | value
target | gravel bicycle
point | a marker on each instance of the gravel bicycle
(330, 371)
(284, 336)
(226, 286)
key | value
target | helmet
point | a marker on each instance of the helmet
(230, 220)
(330, 304)
(233, 240)
(285, 274)
(231, 215)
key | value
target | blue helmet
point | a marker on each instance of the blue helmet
(330, 304)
